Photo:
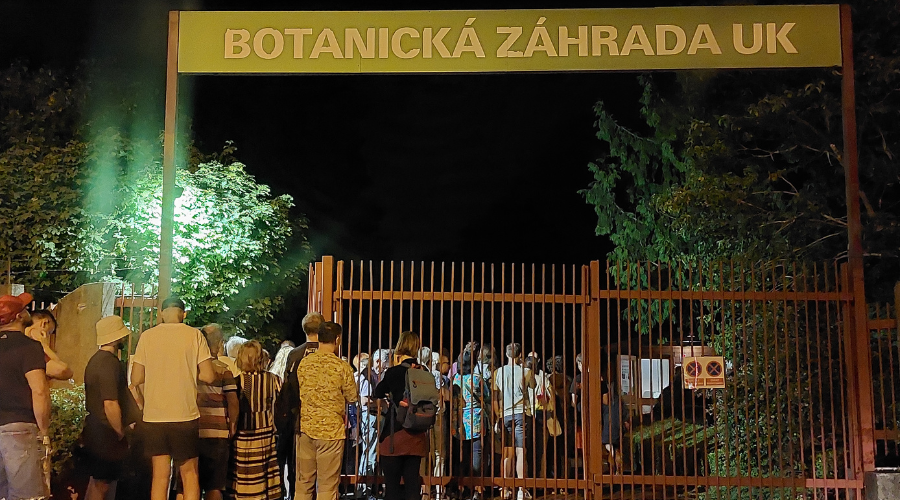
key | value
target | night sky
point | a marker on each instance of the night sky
(482, 168)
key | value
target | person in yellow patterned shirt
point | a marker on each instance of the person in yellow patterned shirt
(326, 387)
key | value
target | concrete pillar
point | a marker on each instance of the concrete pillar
(882, 485)
(11, 289)
(76, 315)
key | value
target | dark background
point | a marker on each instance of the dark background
(482, 168)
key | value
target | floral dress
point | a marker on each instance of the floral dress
(473, 389)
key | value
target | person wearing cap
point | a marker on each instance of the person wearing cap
(168, 361)
(110, 409)
(24, 404)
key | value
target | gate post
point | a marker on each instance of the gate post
(860, 347)
(312, 289)
(167, 216)
(593, 425)
(326, 280)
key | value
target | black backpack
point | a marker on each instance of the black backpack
(287, 404)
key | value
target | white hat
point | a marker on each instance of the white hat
(111, 329)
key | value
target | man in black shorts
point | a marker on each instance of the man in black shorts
(109, 405)
(169, 360)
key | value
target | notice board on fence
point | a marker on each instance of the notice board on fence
(704, 372)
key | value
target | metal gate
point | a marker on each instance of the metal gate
(788, 423)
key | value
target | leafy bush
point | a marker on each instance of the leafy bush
(83, 203)
(66, 423)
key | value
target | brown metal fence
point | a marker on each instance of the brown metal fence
(542, 308)
(788, 423)
(885, 345)
(136, 304)
(781, 427)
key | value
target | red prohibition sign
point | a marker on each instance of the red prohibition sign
(713, 368)
(693, 369)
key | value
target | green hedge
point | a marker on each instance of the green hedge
(66, 423)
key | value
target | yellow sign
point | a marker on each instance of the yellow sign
(704, 372)
(510, 40)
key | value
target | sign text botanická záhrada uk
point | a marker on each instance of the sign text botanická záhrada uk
(517, 40)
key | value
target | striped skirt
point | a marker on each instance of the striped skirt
(254, 473)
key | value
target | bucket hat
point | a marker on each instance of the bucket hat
(111, 329)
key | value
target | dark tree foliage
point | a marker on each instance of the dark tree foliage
(748, 164)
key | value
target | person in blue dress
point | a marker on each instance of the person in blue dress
(469, 390)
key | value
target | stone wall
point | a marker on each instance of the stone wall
(77, 314)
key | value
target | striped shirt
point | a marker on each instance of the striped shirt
(213, 404)
(257, 395)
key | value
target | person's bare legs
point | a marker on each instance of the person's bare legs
(100, 490)
(209, 495)
(520, 467)
(520, 463)
(612, 457)
(190, 479)
(509, 457)
(159, 489)
(214, 495)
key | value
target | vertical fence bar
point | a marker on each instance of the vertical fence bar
(829, 464)
(845, 422)
(797, 339)
(894, 345)
(311, 288)
(853, 399)
(487, 439)
(809, 381)
(754, 351)
(692, 336)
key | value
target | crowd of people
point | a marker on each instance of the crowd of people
(233, 423)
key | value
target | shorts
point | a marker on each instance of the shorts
(179, 440)
(104, 470)
(214, 457)
(21, 474)
(518, 429)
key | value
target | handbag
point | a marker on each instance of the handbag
(553, 427)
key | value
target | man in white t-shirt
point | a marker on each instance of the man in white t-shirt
(169, 359)
(511, 383)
